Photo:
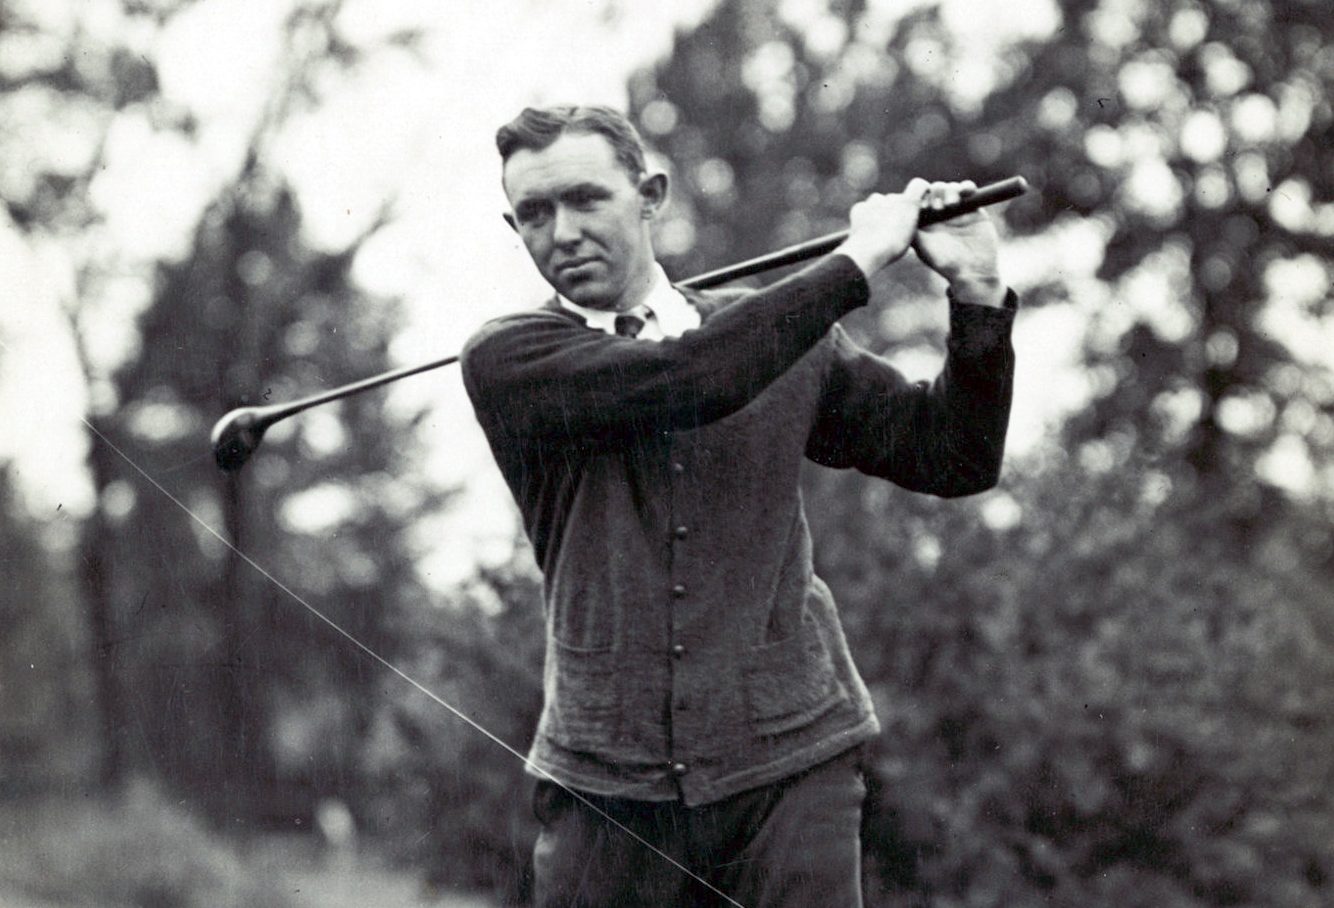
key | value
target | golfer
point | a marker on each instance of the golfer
(699, 691)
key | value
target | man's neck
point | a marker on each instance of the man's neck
(666, 312)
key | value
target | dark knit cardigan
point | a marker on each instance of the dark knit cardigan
(691, 651)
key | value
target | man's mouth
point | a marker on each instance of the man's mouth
(574, 267)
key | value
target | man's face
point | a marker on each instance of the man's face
(581, 217)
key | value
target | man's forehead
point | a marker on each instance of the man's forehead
(573, 159)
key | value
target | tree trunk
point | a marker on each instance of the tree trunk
(102, 626)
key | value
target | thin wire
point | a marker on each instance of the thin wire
(435, 698)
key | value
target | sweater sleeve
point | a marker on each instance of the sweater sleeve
(543, 376)
(944, 437)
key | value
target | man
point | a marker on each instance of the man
(698, 743)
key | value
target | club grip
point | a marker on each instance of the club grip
(990, 194)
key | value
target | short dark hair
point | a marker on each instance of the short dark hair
(537, 128)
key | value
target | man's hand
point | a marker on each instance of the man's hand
(963, 249)
(881, 227)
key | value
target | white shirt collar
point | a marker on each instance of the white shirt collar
(665, 312)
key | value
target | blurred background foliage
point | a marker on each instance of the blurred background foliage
(1108, 682)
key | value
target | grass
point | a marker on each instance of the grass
(135, 849)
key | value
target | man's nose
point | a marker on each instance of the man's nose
(565, 226)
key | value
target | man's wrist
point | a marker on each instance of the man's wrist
(979, 291)
(869, 258)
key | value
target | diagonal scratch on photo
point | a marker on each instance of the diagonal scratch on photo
(731, 453)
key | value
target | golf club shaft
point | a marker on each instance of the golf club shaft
(272, 413)
(239, 432)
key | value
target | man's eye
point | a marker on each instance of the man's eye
(531, 215)
(584, 200)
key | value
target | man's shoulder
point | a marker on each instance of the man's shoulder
(546, 315)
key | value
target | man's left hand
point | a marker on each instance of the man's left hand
(963, 249)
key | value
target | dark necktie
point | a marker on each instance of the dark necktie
(629, 325)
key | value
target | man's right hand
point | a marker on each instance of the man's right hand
(881, 227)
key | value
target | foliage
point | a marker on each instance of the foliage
(428, 769)
(208, 674)
(1101, 703)
(1207, 158)
(127, 850)
(211, 644)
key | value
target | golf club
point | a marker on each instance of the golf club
(237, 435)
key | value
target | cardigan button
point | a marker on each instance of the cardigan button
(681, 532)
(679, 591)
(679, 650)
(680, 769)
(678, 467)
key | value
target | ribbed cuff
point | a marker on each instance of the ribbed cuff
(976, 328)
(848, 271)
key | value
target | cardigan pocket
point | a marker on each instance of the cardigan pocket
(791, 683)
(583, 704)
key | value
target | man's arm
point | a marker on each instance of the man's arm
(946, 437)
(544, 376)
(541, 377)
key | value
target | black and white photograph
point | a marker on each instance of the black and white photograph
(721, 453)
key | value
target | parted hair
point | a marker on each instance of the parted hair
(535, 129)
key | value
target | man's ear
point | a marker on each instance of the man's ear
(653, 191)
(509, 219)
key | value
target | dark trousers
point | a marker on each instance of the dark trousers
(789, 845)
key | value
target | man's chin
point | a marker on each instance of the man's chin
(590, 294)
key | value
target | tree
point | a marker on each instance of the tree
(1074, 716)
(60, 83)
(235, 685)
(209, 675)
(43, 666)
